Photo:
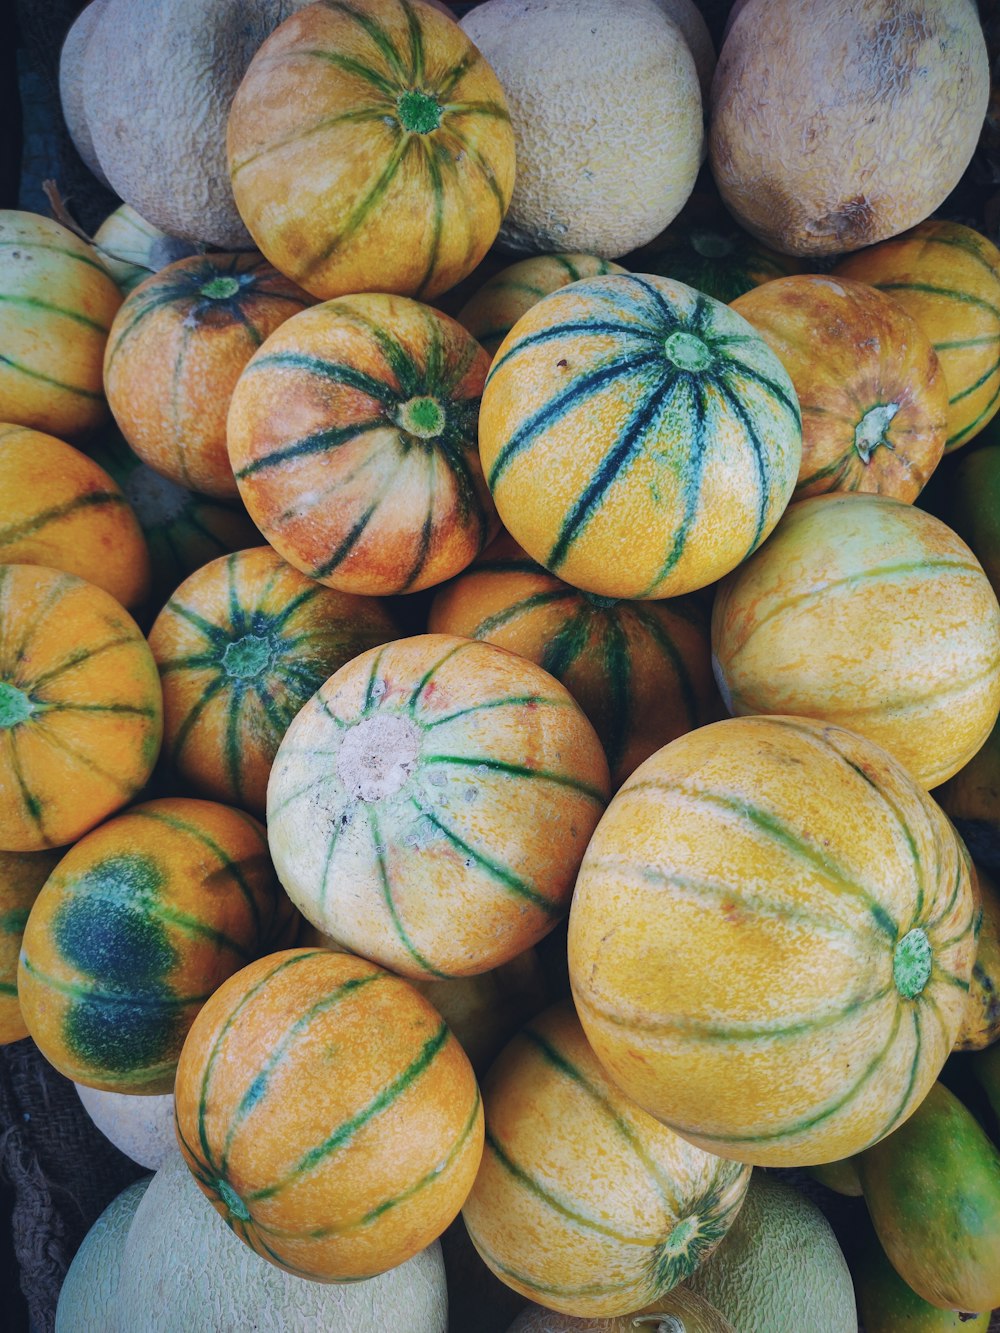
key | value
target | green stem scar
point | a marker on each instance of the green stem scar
(687, 352)
(233, 1201)
(248, 656)
(870, 430)
(418, 113)
(15, 706)
(679, 1240)
(911, 963)
(220, 289)
(423, 417)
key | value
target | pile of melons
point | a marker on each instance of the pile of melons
(417, 531)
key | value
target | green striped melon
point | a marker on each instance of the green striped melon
(640, 439)
(641, 671)
(583, 1202)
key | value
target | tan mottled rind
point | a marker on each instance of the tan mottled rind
(607, 118)
(838, 123)
(183, 1264)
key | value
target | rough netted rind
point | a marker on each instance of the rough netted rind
(779, 1269)
(89, 1288)
(184, 1269)
(71, 66)
(140, 1127)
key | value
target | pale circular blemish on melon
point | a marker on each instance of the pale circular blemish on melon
(377, 757)
(870, 430)
(687, 351)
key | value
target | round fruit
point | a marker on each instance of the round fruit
(22, 875)
(871, 614)
(780, 1269)
(90, 1288)
(639, 439)
(72, 58)
(582, 1201)
(374, 1163)
(140, 1127)
(132, 248)
(499, 304)
(135, 928)
(429, 807)
(874, 402)
(809, 95)
(81, 710)
(840, 919)
(352, 434)
(886, 1304)
(241, 646)
(370, 149)
(679, 1309)
(967, 498)
(972, 799)
(981, 1021)
(641, 671)
(177, 348)
(60, 509)
(687, 16)
(607, 117)
(57, 301)
(947, 277)
(166, 1254)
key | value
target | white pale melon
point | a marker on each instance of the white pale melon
(89, 1288)
(71, 64)
(140, 1127)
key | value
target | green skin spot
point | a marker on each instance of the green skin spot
(15, 706)
(601, 603)
(423, 417)
(247, 657)
(870, 430)
(911, 963)
(679, 1240)
(220, 289)
(687, 352)
(418, 113)
(232, 1201)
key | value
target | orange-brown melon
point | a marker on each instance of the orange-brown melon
(22, 875)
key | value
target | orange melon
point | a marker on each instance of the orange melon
(981, 1020)
(22, 875)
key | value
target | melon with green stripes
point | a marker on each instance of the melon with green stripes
(81, 710)
(971, 799)
(641, 671)
(352, 434)
(22, 875)
(981, 1020)
(791, 1001)
(176, 349)
(370, 149)
(870, 613)
(494, 310)
(132, 248)
(241, 646)
(948, 277)
(369, 1167)
(583, 1202)
(57, 301)
(139, 923)
(430, 805)
(61, 509)
(183, 530)
(640, 439)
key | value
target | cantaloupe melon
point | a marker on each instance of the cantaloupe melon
(140, 1127)
(89, 1288)
(694, 29)
(71, 65)
(183, 1269)
(607, 118)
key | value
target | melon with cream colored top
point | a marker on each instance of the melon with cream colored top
(872, 614)
(370, 149)
(583, 1202)
(396, 803)
(132, 248)
(607, 118)
(791, 1002)
(814, 108)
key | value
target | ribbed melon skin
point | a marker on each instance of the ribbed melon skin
(616, 463)
(60, 509)
(582, 1201)
(22, 875)
(641, 671)
(462, 854)
(750, 1001)
(947, 276)
(373, 1164)
(241, 646)
(872, 614)
(57, 301)
(80, 703)
(370, 149)
(137, 926)
(352, 434)
(132, 248)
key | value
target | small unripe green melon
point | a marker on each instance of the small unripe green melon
(779, 1268)
(89, 1287)
(185, 1272)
